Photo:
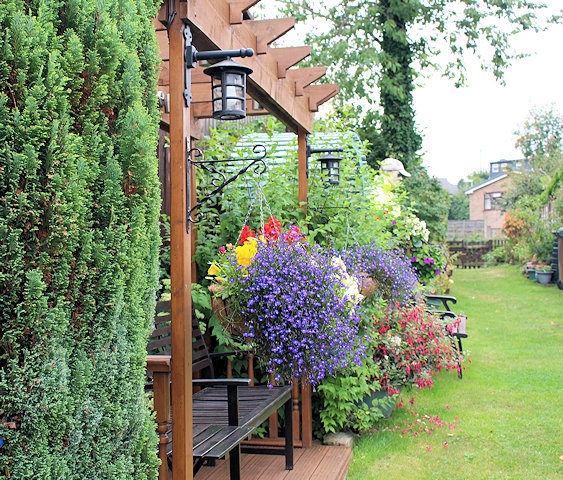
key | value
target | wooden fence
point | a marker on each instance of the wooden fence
(470, 254)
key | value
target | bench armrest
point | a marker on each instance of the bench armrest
(443, 299)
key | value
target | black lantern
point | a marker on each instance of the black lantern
(330, 166)
(228, 78)
(228, 89)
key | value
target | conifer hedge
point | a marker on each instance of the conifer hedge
(79, 238)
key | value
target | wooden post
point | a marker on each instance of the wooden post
(159, 365)
(180, 262)
(302, 169)
(306, 414)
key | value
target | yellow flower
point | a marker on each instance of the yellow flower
(213, 270)
(245, 253)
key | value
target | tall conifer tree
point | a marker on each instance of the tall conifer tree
(79, 238)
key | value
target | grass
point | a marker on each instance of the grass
(504, 419)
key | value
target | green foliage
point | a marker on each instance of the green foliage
(338, 402)
(495, 257)
(375, 52)
(459, 201)
(459, 206)
(541, 141)
(79, 237)
(341, 400)
(430, 202)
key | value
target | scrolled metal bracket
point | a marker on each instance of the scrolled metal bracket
(219, 179)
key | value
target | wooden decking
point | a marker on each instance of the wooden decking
(319, 462)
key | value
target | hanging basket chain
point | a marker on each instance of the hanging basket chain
(261, 199)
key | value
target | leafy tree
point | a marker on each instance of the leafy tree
(430, 202)
(459, 206)
(541, 140)
(377, 49)
(475, 178)
(79, 237)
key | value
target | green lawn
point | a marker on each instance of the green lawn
(504, 419)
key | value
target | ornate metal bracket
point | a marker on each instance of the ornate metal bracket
(219, 179)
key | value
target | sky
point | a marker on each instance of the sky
(465, 129)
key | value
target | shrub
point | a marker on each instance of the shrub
(413, 345)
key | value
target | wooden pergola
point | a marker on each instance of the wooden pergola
(283, 91)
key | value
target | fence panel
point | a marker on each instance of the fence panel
(470, 254)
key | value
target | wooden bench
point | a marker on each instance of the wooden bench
(440, 305)
(225, 411)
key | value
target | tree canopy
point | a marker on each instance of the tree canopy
(376, 50)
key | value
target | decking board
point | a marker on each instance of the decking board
(319, 462)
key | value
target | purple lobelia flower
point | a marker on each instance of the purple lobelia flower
(301, 311)
(393, 274)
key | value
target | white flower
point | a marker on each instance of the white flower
(395, 340)
(351, 293)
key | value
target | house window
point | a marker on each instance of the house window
(492, 200)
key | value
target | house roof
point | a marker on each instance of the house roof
(447, 186)
(486, 183)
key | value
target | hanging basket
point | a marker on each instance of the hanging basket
(231, 323)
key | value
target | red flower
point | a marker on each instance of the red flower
(245, 234)
(272, 228)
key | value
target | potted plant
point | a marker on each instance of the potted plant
(543, 274)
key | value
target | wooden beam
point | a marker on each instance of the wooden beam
(237, 8)
(268, 31)
(304, 77)
(180, 262)
(210, 20)
(319, 94)
(287, 57)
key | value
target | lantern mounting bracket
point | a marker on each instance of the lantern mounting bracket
(219, 179)
(192, 56)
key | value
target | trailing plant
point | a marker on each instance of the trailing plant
(297, 301)
(338, 402)
(393, 278)
(79, 238)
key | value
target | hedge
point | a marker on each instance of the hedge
(79, 237)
